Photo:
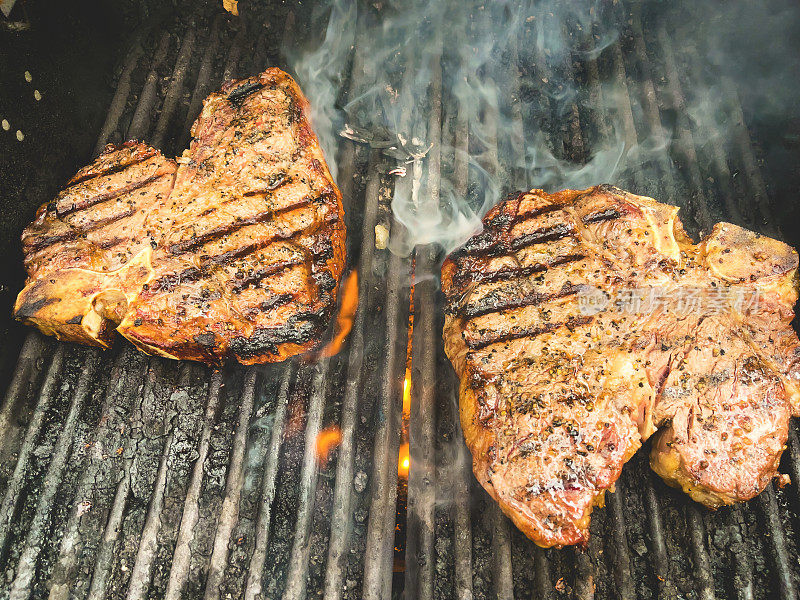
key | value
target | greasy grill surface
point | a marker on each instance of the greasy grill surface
(124, 476)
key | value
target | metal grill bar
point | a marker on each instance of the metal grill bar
(102, 566)
(117, 106)
(769, 506)
(747, 154)
(140, 122)
(518, 176)
(233, 57)
(585, 574)
(650, 101)
(175, 89)
(422, 479)
(702, 566)
(182, 557)
(659, 548)
(463, 476)
(296, 580)
(29, 368)
(794, 454)
(743, 577)
(501, 547)
(14, 486)
(233, 487)
(142, 568)
(379, 546)
(202, 85)
(341, 513)
(254, 585)
(622, 560)
(685, 142)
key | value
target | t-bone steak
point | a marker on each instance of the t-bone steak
(235, 248)
(583, 322)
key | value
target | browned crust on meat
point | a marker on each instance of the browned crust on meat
(234, 250)
(511, 311)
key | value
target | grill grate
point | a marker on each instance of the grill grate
(128, 476)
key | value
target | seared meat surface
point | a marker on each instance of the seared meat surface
(235, 248)
(583, 322)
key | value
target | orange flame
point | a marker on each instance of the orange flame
(344, 320)
(403, 461)
(327, 441)
(407, 394)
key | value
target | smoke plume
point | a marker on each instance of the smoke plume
(470, 100)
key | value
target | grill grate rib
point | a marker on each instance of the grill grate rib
(179, 571)
(341, 512)
(229, 512)
(14, 485)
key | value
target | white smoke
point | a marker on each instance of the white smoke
(517, 77)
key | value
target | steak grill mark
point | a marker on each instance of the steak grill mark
(240, 94)
(114, 168)
(89, 202)
(492, 243)
(517, 272)
(528, 332)
(264, 217)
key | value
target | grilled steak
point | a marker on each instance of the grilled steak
(581, 322)
(235, 248)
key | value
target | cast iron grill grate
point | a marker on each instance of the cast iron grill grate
(129, 476)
